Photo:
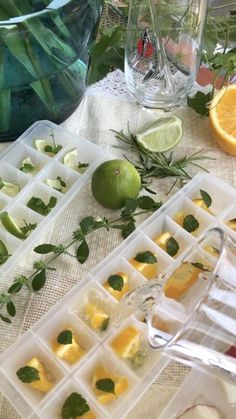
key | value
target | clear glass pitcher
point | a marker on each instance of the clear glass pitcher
(163, 50)
(199, 328)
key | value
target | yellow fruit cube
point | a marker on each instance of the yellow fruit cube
(95, 316)
(181, 280)
(115, 293)
(162, 239)
(121, 384)
(127, 343)
(71, 352)
(149, 270)
(43, 384)
(232, 224)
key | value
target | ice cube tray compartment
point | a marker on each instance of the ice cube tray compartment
(23, 151)
(164, 225)
(66, 321)
(30, 347)
(54, 406)
(9, 173)
(91, 287)
(112, 365)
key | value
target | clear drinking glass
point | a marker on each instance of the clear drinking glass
(198, 329)
(163, 50)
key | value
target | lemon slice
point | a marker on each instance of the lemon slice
(10, 225)
(161, 135)
(70, 159)
(10, 189)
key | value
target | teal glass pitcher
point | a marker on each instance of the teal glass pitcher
(44, 59)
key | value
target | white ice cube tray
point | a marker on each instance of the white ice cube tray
(69, 312)
(34, 185)
(201, 388)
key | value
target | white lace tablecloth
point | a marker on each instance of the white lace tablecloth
(107, 105)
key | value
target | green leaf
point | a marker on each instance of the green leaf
(11, 309)
(5, 319)
(27, 168)
(28, 374)
(39, 280)
(190, 223)
(74, 406)
(43, 249)
(130, 206)
(37, 204)
(146, 257)
(87, 224)
(65, 337)
(127, 229)
(199, 265)
(200, 103)
(146, 202)
(172, 246)
(116, 282)
(105, 325)
(82, 252)
(206, 198)
(106, 384)
(15, 288)
(52, 202)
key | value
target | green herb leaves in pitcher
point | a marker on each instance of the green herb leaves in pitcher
(37, 205)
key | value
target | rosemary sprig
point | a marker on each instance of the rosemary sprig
(159, 165)
(37, 279)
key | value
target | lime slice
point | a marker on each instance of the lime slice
(40, 145)
(161, 135)
(55, 184)
(70, 159)
(10, 189)
(10, 225)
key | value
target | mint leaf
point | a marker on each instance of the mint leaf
(200, 103)
(105, 325)
(11, 309)
(206, 198)
(127, 229)
(74, 406)
(39, 280)
(82, 253)
(146, 257)
(43, 249)
(65, 337)
(106, 384)
(172, 246)
(37, 205)
(190, 223)
(28, 374)
(116, 282)
(27, 168)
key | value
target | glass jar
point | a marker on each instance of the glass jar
(163, 50)
(44, 60)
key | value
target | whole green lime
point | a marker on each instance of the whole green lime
(113, 182)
